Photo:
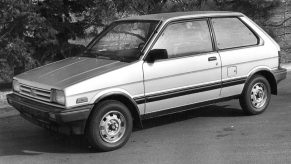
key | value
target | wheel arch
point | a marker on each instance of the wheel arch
(268, 75)
(126, 100)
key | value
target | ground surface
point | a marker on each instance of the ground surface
(219, 133)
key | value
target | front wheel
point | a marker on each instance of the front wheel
(109, 126)
(256, 95)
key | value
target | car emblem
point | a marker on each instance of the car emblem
(32, 92)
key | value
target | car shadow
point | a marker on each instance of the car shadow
(46, 143)
(28, 139)
(207, 111)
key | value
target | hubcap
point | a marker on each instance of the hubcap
(258, 95)
(112, 126)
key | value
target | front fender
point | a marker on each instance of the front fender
(122, 96)
(99, 96)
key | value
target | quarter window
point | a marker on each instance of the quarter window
(231, 33)
(185, 38)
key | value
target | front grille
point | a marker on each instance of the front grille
(37, 93)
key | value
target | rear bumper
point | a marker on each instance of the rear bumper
(52, 117)
(280, 74)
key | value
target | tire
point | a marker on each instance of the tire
(256, 95)
(109, 126)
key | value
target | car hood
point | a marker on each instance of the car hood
(68, 71)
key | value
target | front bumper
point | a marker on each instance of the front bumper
(53, 117)
(280, 74)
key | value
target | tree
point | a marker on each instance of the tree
(17, 24)
(34, 32)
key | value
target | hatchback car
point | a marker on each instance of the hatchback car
(151, 65)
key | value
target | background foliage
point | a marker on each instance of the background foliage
(36, 32)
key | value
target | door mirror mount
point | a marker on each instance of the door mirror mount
(156, 54)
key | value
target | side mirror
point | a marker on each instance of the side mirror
(156, 54)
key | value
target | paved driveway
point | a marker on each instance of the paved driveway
(219, 133)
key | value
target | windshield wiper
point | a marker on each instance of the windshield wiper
(103, 57)
(97, 54)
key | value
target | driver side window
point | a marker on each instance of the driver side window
(185, 38)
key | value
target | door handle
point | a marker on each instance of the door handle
(212, 58)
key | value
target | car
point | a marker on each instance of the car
(148, 66)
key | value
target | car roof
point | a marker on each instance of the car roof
(177, 15)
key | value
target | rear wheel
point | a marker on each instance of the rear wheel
(256, 95)
(109, 126)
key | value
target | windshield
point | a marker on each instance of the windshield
(122, 40)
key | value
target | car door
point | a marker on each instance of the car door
(240, 50)
(190, 74)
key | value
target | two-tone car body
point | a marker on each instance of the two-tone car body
(147, 66)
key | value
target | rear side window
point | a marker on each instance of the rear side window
(231, 33)
(185, 38)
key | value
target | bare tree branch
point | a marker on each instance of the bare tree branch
(137, 10)
(280, 24)
(283, 34)
(133, 34)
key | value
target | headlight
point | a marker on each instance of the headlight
(58, 96)
(16, 86)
